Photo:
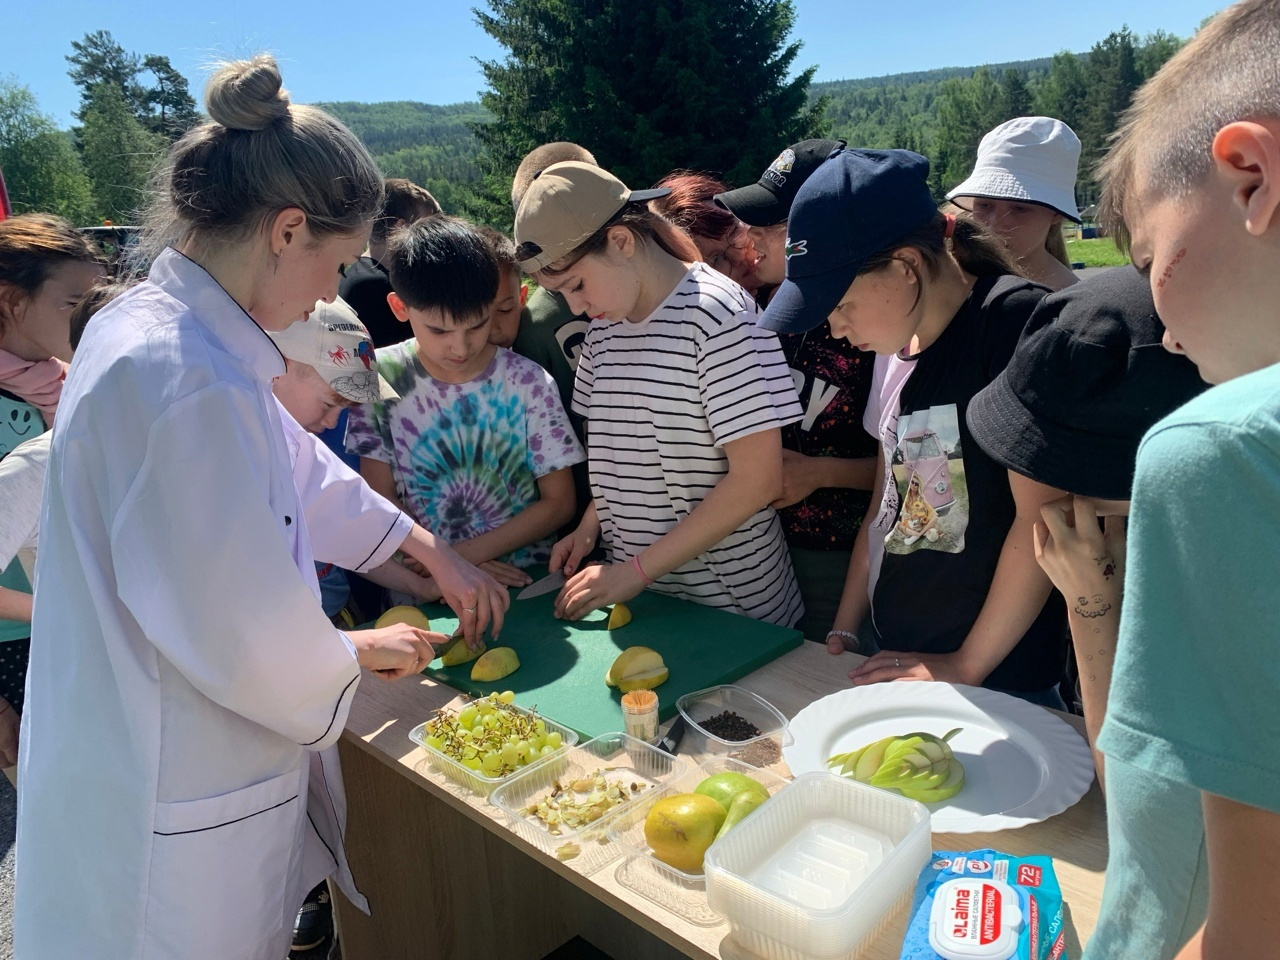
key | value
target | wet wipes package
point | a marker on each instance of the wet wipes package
(986, 905)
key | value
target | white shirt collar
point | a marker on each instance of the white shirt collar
(190, 284)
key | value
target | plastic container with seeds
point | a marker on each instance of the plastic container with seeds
(745, 710)
(619, 760)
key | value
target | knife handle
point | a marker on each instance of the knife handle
(675, 733)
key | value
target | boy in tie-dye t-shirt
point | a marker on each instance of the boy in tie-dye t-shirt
(478, 447)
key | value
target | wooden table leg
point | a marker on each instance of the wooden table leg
(439, 885)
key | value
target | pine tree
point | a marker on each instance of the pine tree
(647, 87)
(119, 153)
(171, 109)
(99, 59)
(1064, 93)
(967, 109)
(1112, 79)
(1015, 98)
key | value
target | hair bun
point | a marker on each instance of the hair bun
(247, 94)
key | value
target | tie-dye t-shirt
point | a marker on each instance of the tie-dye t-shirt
(467, 456)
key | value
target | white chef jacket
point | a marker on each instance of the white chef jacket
(184, 679)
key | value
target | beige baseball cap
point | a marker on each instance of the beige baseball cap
(566, 203)
(334, 341)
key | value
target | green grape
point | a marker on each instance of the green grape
(492, 735)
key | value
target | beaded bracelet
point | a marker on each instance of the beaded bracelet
(844, 633)
(635, 562)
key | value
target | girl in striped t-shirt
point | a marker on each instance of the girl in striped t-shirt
(684, 396)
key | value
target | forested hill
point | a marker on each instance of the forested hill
(428, 144)
(837, 87)
(941, 113)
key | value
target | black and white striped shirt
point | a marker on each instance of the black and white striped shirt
(662, 397)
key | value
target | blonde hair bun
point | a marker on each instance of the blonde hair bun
(247, 94)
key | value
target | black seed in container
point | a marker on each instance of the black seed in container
(730, 726)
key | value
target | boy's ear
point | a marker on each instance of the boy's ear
(524, 294)
(1248, 155)
(398, 307)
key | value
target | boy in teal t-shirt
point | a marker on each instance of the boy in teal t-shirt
(1192, 732)
(1195, 695)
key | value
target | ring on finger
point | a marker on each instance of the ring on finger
(897, 662)
(468, 609)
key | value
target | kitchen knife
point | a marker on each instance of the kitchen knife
(548, 584)
(675, 733)
(456, 639)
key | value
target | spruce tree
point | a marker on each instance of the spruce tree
(647, 87)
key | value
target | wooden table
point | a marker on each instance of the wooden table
(446, 878)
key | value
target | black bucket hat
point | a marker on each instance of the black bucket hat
(1088, 379)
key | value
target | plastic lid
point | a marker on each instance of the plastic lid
(975, 917)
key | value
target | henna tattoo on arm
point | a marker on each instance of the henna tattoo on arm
(1093, 608)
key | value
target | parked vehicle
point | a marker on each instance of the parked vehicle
(924, 457)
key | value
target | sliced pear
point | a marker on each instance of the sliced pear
(644, 681)
(637, 668)
(495, 664)
(871, 759)
(619, 616)
(403, 614)
(948, 789)
(460, 653)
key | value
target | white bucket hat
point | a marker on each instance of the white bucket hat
(1028, 158)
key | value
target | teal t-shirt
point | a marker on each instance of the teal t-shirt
(19, 422)
(15, 578)
(1195, 698)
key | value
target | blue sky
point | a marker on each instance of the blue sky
(426, 50)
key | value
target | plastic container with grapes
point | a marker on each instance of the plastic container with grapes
(476, 780)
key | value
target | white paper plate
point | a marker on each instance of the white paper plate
(1022, 764)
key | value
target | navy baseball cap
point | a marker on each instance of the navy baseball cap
(856, 204)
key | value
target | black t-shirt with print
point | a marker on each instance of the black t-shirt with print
(953, 502)
(833, 380)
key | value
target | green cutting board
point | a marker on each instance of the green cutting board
(562, 664)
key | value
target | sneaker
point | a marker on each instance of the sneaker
(314, 926)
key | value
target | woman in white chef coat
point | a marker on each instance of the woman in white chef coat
(177, 796)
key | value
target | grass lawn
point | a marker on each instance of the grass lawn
(1096, 253)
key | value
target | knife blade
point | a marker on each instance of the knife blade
(549, 583)
(456, 639)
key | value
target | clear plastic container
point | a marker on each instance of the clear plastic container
(818, 870)
(474, 780)
(682, 893)
(622, 758)
(762, 751)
